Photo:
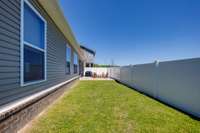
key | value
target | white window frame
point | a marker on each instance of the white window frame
(75, 53)
(68, 47)
(22, 43)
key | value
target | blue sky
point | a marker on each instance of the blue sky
(136, 31)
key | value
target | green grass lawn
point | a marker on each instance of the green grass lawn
(109, 107)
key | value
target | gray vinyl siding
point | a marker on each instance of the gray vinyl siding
(10, 89)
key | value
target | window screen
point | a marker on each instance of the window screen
(33, 64)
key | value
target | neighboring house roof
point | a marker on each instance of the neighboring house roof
(88, 50)
(53, 9)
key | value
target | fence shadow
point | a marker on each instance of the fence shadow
(166, 104)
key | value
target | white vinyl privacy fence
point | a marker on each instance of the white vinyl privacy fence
(97, 70)
(174, 82)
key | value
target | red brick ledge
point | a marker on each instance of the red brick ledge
(14, 107)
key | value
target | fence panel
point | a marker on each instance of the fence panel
(144, 78)
(179, 84)
(174, 82)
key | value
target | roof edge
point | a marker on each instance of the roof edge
(53, 9)
(88, 50)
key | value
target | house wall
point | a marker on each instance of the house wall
(89, 58)
(174, 82)
(10, 89)
(24, 114)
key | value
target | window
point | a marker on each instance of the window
(68, 59)
(75, 63)
(33, 64)
(33, 45)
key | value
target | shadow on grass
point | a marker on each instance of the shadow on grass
(171, 106)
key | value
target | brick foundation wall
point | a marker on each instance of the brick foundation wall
(19, 118)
